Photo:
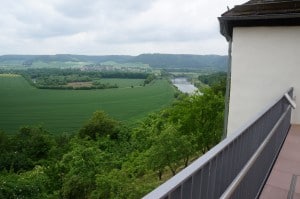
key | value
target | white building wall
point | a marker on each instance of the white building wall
(265, 63)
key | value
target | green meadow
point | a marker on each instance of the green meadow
(67, 110)
(122, 83)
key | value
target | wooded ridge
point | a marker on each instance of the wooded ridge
(156, 60)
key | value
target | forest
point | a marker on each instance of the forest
(107, 158)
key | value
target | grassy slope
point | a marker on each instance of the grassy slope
(67, 110)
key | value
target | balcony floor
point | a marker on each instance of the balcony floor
(284, 180)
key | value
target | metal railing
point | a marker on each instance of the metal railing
(237, 167)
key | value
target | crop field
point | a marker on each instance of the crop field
(67, 110)
(57, 64)
(123, 83)
(9, 75)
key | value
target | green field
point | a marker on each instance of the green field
(67, 110)
(58, 64)
(123, 83)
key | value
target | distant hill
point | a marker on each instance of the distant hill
(183, 61)
(166, 61)
(64, 58)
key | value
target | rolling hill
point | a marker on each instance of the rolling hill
(163, 61)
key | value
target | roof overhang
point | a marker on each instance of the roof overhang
(264, 13)
(228, 23)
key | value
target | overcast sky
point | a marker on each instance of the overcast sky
(101, 27)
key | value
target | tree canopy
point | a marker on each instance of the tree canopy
(107, 159)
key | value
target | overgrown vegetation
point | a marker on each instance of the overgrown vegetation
(107, 159)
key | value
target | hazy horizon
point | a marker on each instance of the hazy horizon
(108, 54)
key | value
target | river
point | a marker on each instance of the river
(184, 85)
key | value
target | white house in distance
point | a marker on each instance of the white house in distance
(264, 51)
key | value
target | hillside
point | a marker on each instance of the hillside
(183, 61)
(164, 61)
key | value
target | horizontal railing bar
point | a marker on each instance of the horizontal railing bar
(183, 175)
(235, 183)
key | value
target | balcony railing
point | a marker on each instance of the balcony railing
(237, 167)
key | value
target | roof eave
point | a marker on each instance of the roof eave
(227, 23)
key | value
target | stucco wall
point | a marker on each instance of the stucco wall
(265, 63)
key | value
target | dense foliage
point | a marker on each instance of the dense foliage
(214, 78)
(107, 159)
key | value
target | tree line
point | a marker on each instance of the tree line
(212, 79)
(56, 78)
(108, 159)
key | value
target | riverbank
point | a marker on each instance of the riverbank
(184, 85)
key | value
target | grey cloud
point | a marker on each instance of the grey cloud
(108, 9)
(65, 26)
(42, 22)
(77, 8)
